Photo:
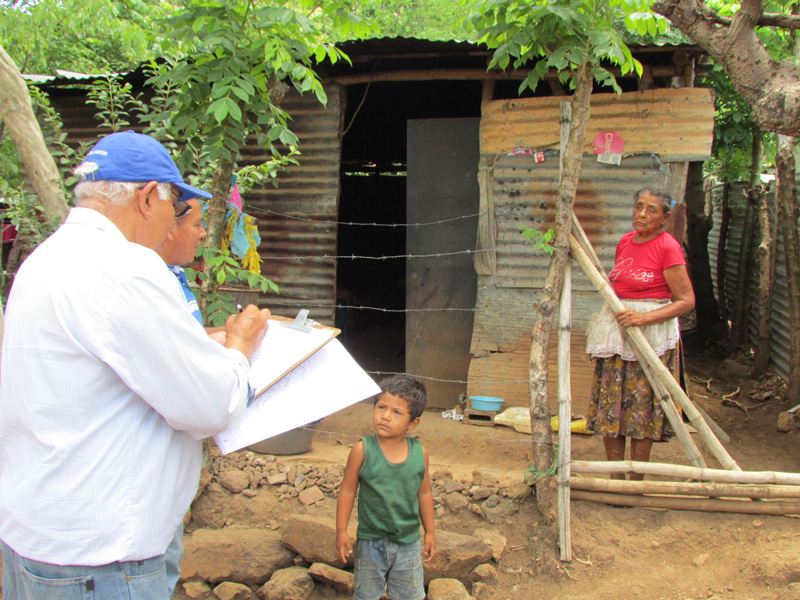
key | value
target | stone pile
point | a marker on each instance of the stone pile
(245, 472)
(296, 559)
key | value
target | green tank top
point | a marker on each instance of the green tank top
(388, 504)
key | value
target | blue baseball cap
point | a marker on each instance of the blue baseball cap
(136, 158)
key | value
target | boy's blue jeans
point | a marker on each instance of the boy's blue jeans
(33, 580)
(384, 567)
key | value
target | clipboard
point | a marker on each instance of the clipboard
(287, 344)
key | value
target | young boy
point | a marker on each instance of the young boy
(390, 472)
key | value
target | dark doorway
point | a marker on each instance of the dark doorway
(372, 291)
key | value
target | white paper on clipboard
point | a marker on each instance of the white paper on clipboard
(327, 381)
(282, 349)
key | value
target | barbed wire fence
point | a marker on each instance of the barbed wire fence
(379, 309)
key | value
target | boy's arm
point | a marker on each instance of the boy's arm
(347, 497)
(426, 512)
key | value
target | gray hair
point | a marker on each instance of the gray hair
(113, 192)
(666, 199)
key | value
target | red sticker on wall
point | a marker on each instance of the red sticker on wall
(608, 142)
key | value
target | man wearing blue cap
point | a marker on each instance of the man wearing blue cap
(108, 387)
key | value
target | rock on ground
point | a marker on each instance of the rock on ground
(456, 556)
(248, 556)
(293, 583)
(314, 538)
(447, 589)
(342, 581)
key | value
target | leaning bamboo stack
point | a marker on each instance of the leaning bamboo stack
(717, 490)
(655, 368)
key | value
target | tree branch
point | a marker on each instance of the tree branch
(768, 85)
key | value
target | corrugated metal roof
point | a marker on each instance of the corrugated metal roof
(394, 46)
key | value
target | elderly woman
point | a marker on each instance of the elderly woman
(650, 278)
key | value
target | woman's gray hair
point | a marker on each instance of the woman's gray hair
(666, 199)
(113, 192)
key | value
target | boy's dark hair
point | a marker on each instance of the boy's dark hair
(409, 389)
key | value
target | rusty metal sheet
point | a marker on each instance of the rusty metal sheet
(524, 194)
(297, 219)
(779, 318)
(676, 124)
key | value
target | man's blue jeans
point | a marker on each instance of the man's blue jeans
(25, 579)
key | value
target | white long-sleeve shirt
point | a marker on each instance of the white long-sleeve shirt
(108, 385)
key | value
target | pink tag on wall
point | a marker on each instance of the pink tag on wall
(608, 146)
(608, 142)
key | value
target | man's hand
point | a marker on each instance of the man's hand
(246, 330)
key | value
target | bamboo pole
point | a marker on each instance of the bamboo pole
(564, 416)
(685, 488)
(700, 504)
(580, 236)
(564, 385)
(665, 400)
(674, 417)
(685, 472)
(648, 356)
(718, 431)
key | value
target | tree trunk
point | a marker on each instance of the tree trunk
(768, 85)
(789, 220)
(217, 208)
(698, 225)
(542, 434)
(17, 114)
(766, 284)
(722, 257)
(742, 299)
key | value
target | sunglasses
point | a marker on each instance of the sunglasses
(180, 207)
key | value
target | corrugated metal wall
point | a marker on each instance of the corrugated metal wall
(523, 193)
(780, 308)
(657, 126)
(297, 220)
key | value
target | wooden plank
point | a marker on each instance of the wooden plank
(505, 375)
(668, 122)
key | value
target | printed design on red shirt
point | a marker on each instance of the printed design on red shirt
(624, 268)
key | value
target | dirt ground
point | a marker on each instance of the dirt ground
(619, 553)
(622, 553)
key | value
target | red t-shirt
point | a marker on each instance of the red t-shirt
(639, 268)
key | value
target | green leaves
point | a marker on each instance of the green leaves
(223, 268)
(562, 35)
(542, 241)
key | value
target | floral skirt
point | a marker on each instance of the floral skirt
(622, 402)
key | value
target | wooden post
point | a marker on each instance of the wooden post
(564, 417)
(564, 384)
(647, 356)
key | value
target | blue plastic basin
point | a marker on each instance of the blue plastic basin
(487, 403)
